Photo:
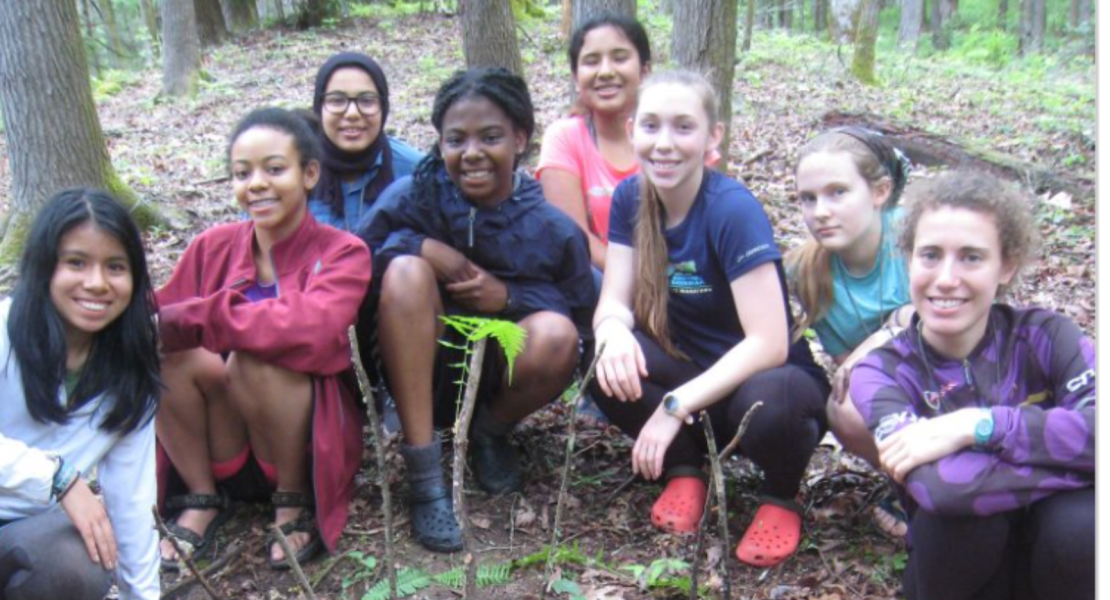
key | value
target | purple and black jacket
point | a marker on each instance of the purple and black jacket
(1035, 370)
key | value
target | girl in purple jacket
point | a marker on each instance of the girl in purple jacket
(984, 413)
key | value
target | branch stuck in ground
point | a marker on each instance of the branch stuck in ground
(458, 473)
(292, 558)
(379, 452)
(567, 460)
(182, 556)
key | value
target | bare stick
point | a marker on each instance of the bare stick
(292, 558)
(233, 551)
(695, 563)
(718, 479)
(182, 556)
(556, 531)
(620, 488)
(740, 430)
(458, 473)
(379, 452)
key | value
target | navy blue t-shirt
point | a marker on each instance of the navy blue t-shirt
(725, 235)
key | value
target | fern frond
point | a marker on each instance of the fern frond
(409, 581)
(488, 575)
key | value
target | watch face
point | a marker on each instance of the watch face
(670, 404)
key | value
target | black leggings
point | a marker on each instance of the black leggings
(780, 438)
(1042, 552)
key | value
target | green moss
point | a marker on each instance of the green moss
(15, 235)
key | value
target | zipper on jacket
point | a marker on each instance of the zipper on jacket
(470, 236)
(967, 373)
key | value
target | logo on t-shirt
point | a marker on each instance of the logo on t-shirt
(599, 191)
(684, 278)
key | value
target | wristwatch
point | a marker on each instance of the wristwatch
(673, 406)
(984, 428)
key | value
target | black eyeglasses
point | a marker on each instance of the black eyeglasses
(368, 104)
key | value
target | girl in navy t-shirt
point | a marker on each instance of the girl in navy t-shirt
(693, 315)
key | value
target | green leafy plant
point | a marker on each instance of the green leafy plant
(509, 335)
(409, 581)
(367, 564)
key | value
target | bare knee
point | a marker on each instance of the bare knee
(406, 279)
(552, 340)
(190, 372)
(255, 382)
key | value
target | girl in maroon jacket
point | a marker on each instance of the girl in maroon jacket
(253, 326)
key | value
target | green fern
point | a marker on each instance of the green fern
(409, 581)
(488, 575)
(509, 335)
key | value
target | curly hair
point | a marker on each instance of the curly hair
(983, 193)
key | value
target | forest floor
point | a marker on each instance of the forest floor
(172, 153)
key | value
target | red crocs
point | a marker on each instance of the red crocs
(680, 506)
(773, 535)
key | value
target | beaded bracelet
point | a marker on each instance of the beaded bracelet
(64, 478)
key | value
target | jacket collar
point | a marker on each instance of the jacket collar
(288, 255)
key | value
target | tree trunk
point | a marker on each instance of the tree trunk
(181, 54)
(584, 10)
(867, 31)
(930, 150)
(1086, 14)
(940, 34)
(667, 6)
(786, 11)
(52, 129)
(311, 13)
(115, 43)
(1032, 27)
(279, 10)
(749, 24)
(211, 29)
(567, 14)
(1003, 8)
(948, 9)
(240, 15)
(1073, 14)
(90, 39)
(820, 16)
(704, 40)
(150, 17)
(489, 35)
(845, 16)
(909, 29)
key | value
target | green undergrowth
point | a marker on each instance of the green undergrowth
(664, 575)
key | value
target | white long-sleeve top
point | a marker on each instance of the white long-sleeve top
(125, 468)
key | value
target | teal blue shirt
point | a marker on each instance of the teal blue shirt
(871, 297)
(405, 158)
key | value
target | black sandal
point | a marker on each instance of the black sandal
(191, 543)
(304, 523)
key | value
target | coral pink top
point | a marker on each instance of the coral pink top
(567, 146)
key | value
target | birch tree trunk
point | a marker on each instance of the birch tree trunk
(181, 53)
(489, 35)
(52, 129)
(704, 40)
(749, 24)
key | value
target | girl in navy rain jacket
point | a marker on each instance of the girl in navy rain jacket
(467, 234)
